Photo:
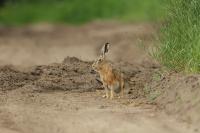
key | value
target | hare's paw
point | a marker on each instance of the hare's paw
(111, 98)
(105, 96)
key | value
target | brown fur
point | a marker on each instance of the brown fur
(111, 78)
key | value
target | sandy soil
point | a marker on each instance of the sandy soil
(46, 92)
(44, 44)
(69, 112)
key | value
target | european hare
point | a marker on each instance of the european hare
(112, 79)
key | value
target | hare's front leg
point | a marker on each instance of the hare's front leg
(106, 90)
(111, 92)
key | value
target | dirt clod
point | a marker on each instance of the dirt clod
(11, 78)
(72, 74)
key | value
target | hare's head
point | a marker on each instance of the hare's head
(98, 63)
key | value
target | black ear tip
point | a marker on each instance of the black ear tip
(107, 43)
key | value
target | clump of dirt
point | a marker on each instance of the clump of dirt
(71, 74)
(11, 78)
(179, 94)
(139, 82)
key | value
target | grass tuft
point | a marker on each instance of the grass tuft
(180, 39)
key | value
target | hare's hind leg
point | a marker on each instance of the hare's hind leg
(122, 88)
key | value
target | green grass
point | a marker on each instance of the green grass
(180, 39)
(79, 11)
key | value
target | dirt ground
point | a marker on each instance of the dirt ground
(43, 88)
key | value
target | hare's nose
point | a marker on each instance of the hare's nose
(92, 71)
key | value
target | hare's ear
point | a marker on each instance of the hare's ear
(105, 49)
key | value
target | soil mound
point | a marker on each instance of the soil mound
(11, 78)
(71, 74)
(179, 94)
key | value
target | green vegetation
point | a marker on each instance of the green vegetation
(180, 39)
(79, 11)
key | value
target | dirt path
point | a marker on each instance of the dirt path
(59, 112)
(45, 44)
(39, 99)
